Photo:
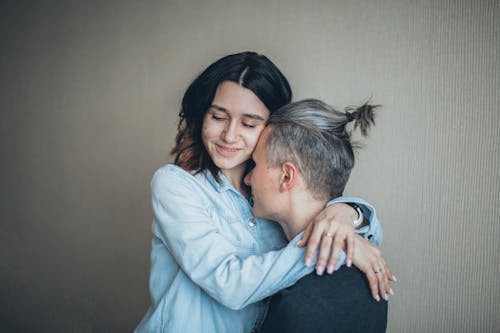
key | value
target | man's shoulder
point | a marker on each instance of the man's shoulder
(341, 278)
(316, 302)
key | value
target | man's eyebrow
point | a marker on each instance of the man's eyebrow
(248, 115)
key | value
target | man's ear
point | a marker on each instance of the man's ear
(289, 174)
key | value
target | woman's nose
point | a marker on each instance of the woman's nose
(230, 133)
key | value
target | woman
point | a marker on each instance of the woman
(212, 260)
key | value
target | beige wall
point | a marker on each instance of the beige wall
(89, 94)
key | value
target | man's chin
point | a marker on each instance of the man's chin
(257, 212)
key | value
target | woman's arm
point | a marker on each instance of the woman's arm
(184, 224)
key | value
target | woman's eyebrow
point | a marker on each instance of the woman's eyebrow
(253, 116)
(219, 108)
(248, 115)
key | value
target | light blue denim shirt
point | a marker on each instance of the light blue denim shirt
(212, 261)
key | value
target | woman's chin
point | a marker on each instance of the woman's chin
(231, 164)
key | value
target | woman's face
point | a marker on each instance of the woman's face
(232, 125)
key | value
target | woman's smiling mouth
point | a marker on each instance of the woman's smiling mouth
(227, 151)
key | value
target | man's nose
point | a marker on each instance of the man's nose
(248, 178)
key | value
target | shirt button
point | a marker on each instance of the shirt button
(251, 222)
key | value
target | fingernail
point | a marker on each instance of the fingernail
(377, 298)
(394, 278)
(308, 262)
(349, 263)
(391, 292)
(320, 270)
(386, 297)
(330, 269)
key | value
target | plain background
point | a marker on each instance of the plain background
(89, 95)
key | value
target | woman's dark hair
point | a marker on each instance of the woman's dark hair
(250, 70)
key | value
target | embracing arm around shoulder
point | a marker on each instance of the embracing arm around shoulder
(185, 224)
(332, 231)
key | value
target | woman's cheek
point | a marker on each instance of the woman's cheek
(253, 141)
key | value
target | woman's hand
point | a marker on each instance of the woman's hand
(368, 258)
(333, 228)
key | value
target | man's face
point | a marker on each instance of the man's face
(265, 181)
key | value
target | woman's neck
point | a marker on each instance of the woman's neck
(235, 177)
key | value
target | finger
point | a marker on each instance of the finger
(378, 264)
(389, 275)
(350, 248)
(313, 244)
(324, 253)
(305, 236)
(373, 281)
(338, 245)
(383, 282)
(332, 261)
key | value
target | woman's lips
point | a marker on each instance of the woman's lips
(227, 151)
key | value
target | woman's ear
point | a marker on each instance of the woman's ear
(289, 174)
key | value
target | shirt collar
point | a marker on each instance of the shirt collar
(223, 186)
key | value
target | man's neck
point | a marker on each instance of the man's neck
(302, 209)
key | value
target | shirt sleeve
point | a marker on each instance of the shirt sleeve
(371, 232)
(183, 223)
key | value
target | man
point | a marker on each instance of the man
(305, 147)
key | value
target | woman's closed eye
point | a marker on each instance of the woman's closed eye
(217, 117)
(251, 122)
(248, 125)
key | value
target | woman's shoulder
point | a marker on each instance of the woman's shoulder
(171, 173)
(171, 170)
(174, 176)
